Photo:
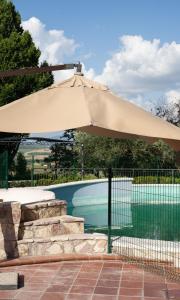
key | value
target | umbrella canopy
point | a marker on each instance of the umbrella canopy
(87, 106)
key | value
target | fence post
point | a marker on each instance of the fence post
(173, 177)
(82, 161)
(32, 170)
(6, 169)
(109, 208)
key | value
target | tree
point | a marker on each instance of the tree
(17, 50)
(103, 152)
(64, 154)
(169, 111)
(21, 167)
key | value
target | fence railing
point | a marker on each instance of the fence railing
(39, 177)
(42, 177)
(144, 217)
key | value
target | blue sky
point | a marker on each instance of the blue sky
(133, 46)
(97, 24)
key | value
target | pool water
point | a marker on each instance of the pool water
(152, 214)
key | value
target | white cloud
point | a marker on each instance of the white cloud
(139, 70)
(141, 67)
(54, 45)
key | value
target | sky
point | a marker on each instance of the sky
(133, 46)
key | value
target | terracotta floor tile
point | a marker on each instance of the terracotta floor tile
(78, 297)
(78, 289)
(45, 272)
(71, 268)
(28, 295)
(130, 276)
(36, 279)
(90, 269)
(90, 281)
(110, 276)
(150, 292)
(96, 264)
(86, 282)
(155, 298)
(67, 274)
(131, 267)
(155, 285)
(52, 296)
(8, 294)
(112, 265)
(62, 281)
(131, 292)
(150, 277)
(108, 283)
(50, 268)
(106, 290)
(131, 298)
(132, 284)
(104, 297)
(174, 285)
(73, 264)
(111, 271)
(88, 275)
(58, 288)
(35, 286)
(175, 293)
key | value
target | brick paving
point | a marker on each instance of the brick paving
(90, 280)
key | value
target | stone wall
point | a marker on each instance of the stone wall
(10, 216)
(72, 243)
(43, 228)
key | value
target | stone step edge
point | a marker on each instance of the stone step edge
(53, 220)
(44, 204)
(65, 237)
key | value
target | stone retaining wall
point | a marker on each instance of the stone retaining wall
(43, 228)
(72, 243)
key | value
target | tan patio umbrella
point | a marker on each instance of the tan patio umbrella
(85, 105)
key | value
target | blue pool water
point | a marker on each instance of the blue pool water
(145, 211)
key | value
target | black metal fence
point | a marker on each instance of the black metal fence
(144, 216)
(4, 169)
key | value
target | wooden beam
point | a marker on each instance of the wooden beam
(35, 70)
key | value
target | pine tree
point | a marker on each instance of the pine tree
(17, 50)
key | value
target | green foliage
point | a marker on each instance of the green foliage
(10, 20)
(45, 181)
(103, 152)
(64, 155)
(17, 50)
(21, 170)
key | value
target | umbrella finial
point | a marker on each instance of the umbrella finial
(78, 69)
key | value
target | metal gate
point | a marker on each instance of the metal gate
(144, 216)
(4, 169)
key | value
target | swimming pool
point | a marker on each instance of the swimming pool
(149, 211)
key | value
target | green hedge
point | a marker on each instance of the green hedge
(50, 180)
(156, 179)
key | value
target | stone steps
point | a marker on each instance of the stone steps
(44, 209)
(49, 227)
(72, 243)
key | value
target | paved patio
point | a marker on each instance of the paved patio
(96, 280)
